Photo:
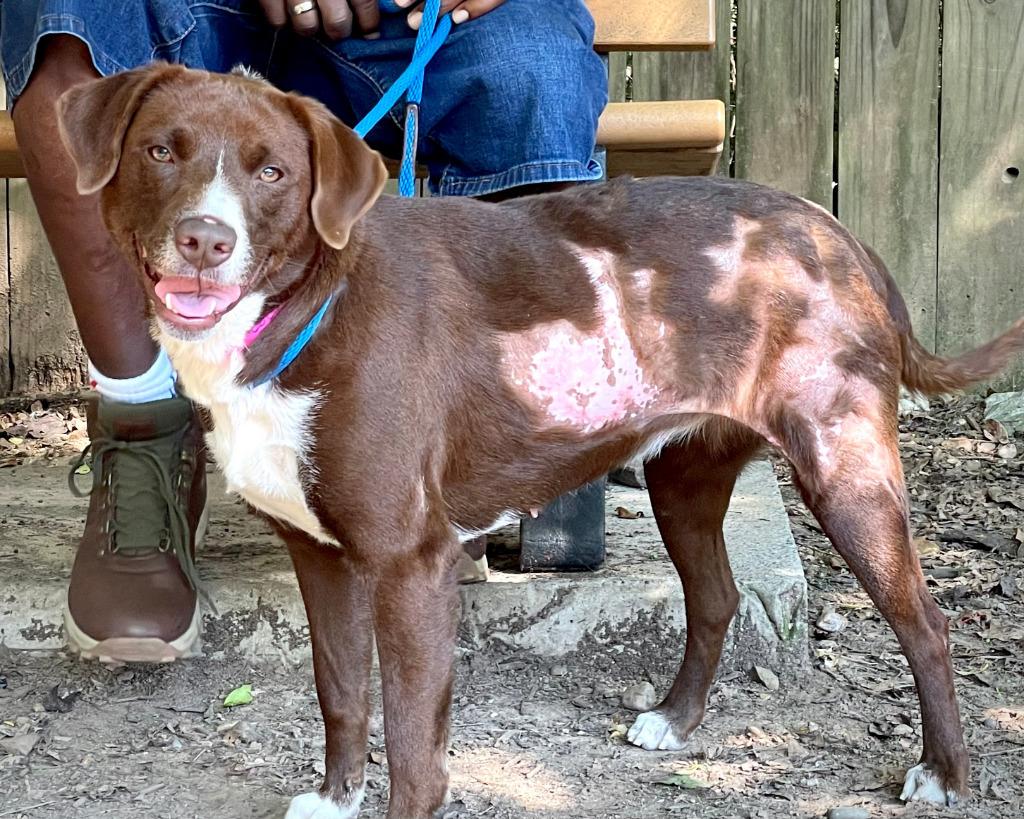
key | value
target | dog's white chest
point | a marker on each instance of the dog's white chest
(259, 441)
(260, 435)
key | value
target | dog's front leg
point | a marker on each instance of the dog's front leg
(338, 609)
(414, 608)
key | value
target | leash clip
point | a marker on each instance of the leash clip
(407, 171)
(412, 127)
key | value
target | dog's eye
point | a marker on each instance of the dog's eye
(160, 153)
(270, 174)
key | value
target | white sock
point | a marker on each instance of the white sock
(154, 384)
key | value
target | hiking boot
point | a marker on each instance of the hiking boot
(133, 592)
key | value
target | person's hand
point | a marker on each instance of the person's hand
(462, 10)
(338, 18)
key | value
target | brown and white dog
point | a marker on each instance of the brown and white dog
(478, 360)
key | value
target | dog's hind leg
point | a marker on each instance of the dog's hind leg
(338, 609)
(852, 481)
(690, 486)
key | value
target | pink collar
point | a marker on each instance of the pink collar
(259, 327)
(254, 333)
(293, 349)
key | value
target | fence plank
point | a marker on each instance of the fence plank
(5, 288)
(46, 351)
(889, 141)
(981, 203)
(785, 95)
(5, 310)
(691, 75)
(618, 76)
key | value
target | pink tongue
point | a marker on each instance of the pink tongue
(192, 298)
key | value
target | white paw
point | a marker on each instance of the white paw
(315, 806)
(911, 402)
(653, 732)
(922, 785)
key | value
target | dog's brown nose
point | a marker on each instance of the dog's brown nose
(204, 242)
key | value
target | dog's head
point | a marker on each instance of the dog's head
(215, 185)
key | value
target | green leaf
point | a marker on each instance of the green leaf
(240, 696)
(680, 781)
(83, 469)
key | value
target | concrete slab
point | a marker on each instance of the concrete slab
(1007, 408)
(635, 598)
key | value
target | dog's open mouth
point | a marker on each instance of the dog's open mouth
(191, 301)
(190, 298)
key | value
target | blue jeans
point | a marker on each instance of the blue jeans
(511, 99)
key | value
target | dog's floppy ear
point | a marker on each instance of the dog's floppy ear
(94, 117)
(348, 175)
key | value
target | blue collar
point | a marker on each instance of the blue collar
(296, 346)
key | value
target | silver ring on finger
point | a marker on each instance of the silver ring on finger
(303, 7)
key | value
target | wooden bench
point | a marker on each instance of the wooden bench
(678, 137)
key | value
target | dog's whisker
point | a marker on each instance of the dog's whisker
(263, 272)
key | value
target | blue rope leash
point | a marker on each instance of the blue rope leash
(429, 39)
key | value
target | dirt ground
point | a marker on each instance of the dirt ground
(537, 738)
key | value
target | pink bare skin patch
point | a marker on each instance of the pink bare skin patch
(586, 380)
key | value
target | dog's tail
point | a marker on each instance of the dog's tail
(931, 374)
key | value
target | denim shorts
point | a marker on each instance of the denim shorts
(511, 99)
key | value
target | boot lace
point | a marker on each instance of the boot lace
(140, 490)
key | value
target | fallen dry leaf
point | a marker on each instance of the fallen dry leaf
(925, 547)
(995, 431)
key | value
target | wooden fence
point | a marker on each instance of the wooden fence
(905, 117)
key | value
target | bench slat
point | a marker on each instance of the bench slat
(653, 25)
(677, 138)
(636, 134)
(666, 124)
